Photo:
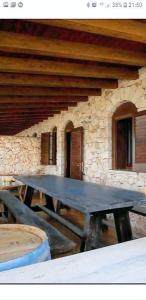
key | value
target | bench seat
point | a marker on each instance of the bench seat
(140, 210)
(59, 243)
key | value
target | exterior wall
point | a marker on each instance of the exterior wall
(96, 118)
(19, 155)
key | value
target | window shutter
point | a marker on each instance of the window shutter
(140, 142)
(54, 147)
(45, 148)
(76, 162)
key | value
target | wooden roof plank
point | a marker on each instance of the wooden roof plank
(42, 99)
(125, 29)
(22, 43)
(55, 81)
(49, 67)
(39, 91)
(37, 106)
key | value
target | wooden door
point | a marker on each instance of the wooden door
(76, 153)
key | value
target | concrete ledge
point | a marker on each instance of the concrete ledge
(121, 263)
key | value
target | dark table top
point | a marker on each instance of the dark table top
(84, 196)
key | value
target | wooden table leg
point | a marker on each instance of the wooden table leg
(5, 212)
(92, 229)
(123, 226)
(49, 203)
(11, 218)
(28, 196)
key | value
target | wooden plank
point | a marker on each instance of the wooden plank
(122, 263)
(34, 106)
(32, 110)
(61, 220)
(126, 29)
(23, 43)
(28, 113)
(28, 119)
(140, 210)
(23, 65)
(55, 81)
(43, 100)
(39, 91)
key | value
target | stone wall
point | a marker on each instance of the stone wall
(19, 155)
(96, 118)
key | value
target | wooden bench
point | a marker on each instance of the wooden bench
(61, 220)
(24, 215)
(140, 210)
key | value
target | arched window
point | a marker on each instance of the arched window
(123, 136)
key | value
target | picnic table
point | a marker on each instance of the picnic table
(121, 263)
(12, 185)
(93, 200)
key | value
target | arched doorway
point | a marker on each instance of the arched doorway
(73, 151)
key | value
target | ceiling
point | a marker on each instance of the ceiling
(47, 66)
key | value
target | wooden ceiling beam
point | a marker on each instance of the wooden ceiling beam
(125, 29)
(23, 120)
(5, 117)
(42, 100)
(20, 122)
(19, 125)
(37, 106)
(55, 81)
(27, 112)
(21, 116)
(26, 119)
(16, 125)
(35, 66)
(23, 43)
(34, 91)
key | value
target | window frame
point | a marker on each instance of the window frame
(54, 146)
(124, 111)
